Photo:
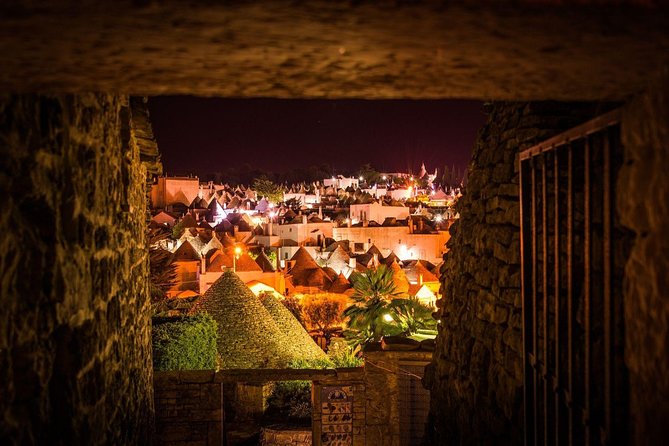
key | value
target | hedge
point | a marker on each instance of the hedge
(185, 343)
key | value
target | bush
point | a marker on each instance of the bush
(186, 343)
(342, 355)
(291, 398)
(323, 311)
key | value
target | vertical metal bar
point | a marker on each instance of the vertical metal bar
(526, 294)
(570, 290)
(606, 435)
(533, 296)
(557, 384)
(526, 302)
(587, 284)
(545, 369)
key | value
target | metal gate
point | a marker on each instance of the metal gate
(572, 261)
(414, 403)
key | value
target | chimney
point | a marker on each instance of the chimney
(203, 264)
(352, 263)
(304, 219)
(420, 279)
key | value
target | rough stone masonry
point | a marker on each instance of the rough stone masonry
(476, 376)
(75, 359)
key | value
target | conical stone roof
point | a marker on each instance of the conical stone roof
(399, 279)
(265, 263)
(186, 252)
(301, 342)
(248, 337)
(340, 285)
(306, 271)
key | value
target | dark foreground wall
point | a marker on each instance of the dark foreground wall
(643, 191)
(74, 322)
(476, 375)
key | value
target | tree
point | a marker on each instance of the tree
(264, 187)
(323, 311)
(411, 315)
(295, 307)
(178, 230)
(378, 310)
(162, 272)
(368, 317)
(369, 174)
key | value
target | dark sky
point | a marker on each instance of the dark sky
(205, 135)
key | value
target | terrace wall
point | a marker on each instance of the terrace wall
(189, 408)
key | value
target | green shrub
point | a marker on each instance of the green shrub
(302, 363)
(186, 343)
(342, 354)
(291, 398)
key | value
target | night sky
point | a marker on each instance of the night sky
(205, 135)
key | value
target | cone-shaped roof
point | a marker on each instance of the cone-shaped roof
(339, 256)
(340, 284)
(188, 221)
(391, 258)
(332, 274)
(428, 276)
(374, 250)
(265, 263)
(306, 271)
(227, 241)
(186, 252)
(213, 243)
(223, 226)
(219, 261)
(301, 343)
(399, 278)
(248, 337)
(243, 262)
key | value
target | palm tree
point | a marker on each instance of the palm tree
(411, 315)
(368, 317)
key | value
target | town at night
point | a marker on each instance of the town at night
(334, 223)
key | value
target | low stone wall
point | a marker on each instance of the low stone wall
(393, 381)
(339, 408)
(189, 408)
(279, 436)
(382, 403)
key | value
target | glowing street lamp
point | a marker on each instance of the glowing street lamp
(238, 252)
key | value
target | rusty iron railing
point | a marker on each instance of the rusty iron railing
(574, 376)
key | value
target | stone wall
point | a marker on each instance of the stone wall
(75, 359)
(384, 372)
(430, 49)
(643, 204)
(353, 383)
(189, 408)
(476, 375)
(276, 436)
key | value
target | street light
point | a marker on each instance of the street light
(238, 252)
